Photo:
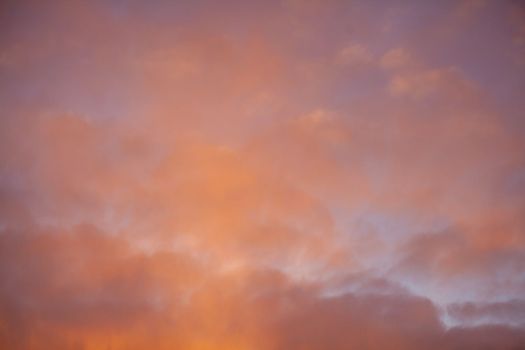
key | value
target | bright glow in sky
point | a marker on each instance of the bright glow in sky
(262, 175)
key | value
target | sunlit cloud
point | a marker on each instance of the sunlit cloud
(262, 175)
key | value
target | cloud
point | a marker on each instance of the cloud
(100, 291)
(260, 176)
(427, 83)
(354, 54)
(508, 312)
(396, 58)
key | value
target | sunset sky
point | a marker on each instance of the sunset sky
(262, 175)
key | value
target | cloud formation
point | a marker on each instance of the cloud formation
(262, 175)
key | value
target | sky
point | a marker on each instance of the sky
(262, 175)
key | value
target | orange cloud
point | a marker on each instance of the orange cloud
(263, 175)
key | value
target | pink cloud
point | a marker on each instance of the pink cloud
(263, 175)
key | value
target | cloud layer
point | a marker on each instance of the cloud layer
(262, 175)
